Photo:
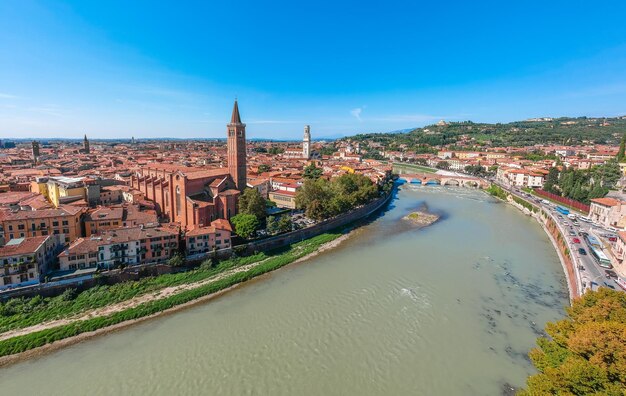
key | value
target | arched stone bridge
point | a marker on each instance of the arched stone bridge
(433, 179)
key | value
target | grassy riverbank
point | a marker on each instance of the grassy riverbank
(23, 312)
(266, 262)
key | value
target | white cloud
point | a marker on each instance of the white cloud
(7, 96)
(356, 113)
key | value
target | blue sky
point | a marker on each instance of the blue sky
(172, 69)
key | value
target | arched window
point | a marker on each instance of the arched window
(177, 200)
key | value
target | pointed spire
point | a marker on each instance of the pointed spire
(85, 137)
(235, 118)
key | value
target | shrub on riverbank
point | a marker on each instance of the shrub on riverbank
(525, 204)
(497, 191)
(33, 340)
(586, 352)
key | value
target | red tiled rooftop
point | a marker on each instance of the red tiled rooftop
(28, 245)
(607, 201)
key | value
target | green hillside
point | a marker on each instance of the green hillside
(571, 131)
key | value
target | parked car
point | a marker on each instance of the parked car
(572, 233)
(582, 251)
(610, 274)
(576, 240)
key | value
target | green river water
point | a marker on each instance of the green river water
(450, 309)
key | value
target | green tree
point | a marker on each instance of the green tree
(272, 225)
(264, 168)
(621, 154)
(245, 224)
(608, 174)
(312, 172)
(251, 202)
(552, 180)
(443, 165)
(274, 150)
(586, 352)
(284, 223)
(176, 260)
(322, 199)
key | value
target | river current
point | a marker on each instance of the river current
(449, 309)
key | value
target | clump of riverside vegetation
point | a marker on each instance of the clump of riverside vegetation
(525, 204)
(267, 262)
(322, 199)
(23, 312)
(497, 191)
(586, 353)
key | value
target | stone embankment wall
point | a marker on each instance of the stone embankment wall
(558, 241)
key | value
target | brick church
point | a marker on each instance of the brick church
(194, 197)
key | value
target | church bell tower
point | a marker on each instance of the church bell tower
(237, 149)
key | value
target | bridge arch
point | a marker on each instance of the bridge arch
(451, 182)
(433, 182)
(416, 181)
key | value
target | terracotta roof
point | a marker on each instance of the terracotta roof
(607, 201)
(283, 192)
(39, 214)
(22, 246)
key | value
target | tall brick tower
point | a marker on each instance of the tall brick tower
(237, 149)
(35, 145)
(86, 145)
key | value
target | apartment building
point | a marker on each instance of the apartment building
(24, 261)
(65, 221)
(124, 246)
(104, 218)
(202, 240)
(608, 212)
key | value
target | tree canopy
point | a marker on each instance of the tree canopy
(251, 202)
(312, 172)
(245, 224)
(583, 185)
(586, 352)
(322, 199)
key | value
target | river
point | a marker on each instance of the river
(450, 309)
